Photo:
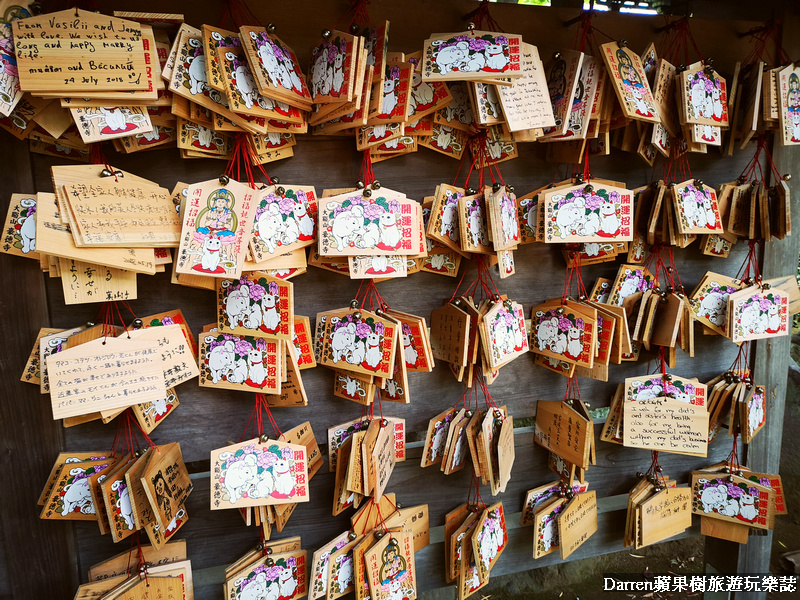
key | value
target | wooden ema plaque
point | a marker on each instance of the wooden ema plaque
(664, 515)
(85, 51)
(560, 429)
(577, 522)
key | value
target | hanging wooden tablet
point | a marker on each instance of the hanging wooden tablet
(284, 221)
(256, 304)
(696, 208)
(753, 414)
(545, 525)
(238, 362)
(525, 104)
(468, 580)
(332, 71)
(630, 280)
(731, 498)
(20, 227)
(505, 227)
(677, 406)
(577, 522)
(704, 95)
(588, 213)
(458, 114)
(789, 104)
(664, 515)
(354, 386)
(564, 332)
(358, 341)
(436, 437)
(318, 572)
(709, 300)
(628, 79)
(503, 333)
(390, 567)
(561, 429)
(489, 539)
(450, 326)
(444, 222)
(70, 497)
(341, 579)
(118, 60)
(255, 473)
(757, 313)
(338, 434)
(446, 140)
(471, 55)
(275, 66)
(216, 228)
(383, 222)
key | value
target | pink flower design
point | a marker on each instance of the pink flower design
(363, 330)
(273, 288)
(372, 212)
(256, 292)
(242, 347)
(286, 206)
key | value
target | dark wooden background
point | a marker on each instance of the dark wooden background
(57, 555)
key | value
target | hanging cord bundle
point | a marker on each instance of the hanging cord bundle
(677, 41)
(769, 34)
(482, 19)
(656, 264)
(98, 157)
(753, 165)
(573, 277)
(108, 313)
(366, 175)
(356, 16)
(255, 424)
(235, 14)
(749, 272)
(241, 165)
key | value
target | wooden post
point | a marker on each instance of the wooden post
(40, 555)
(770, 369)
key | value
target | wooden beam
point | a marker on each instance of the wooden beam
(40, 555)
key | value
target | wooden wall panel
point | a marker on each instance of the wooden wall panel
(209, 419)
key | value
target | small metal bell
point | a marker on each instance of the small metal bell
(269, 551)
(384, 422)
(787, 177)
(623, 43)
(119, 173)
(352, 535)
(326, 34)
(457, 302)
(106, 173)
(353, 303)
(588, 189)
(471, 26)
(560, 310)
(668, 377)
(353, 29)
(263, 438)
(379, 535)
(639, 474)
(357, 315)
(495, 187)
(137, 323)
(271, 28)
(468, 414)
(556, 55)
(498, 414)
(376, 185)
(766, 286)
(224, 179)
(259, 547)
(469, 191)
(280, 191)
(360, 184)
(270, 562)
(398, 505)
(698, 182)
(367, 192)
(275, 180)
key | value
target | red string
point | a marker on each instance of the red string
(235, 14)
(366, 175)
(482, 19)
